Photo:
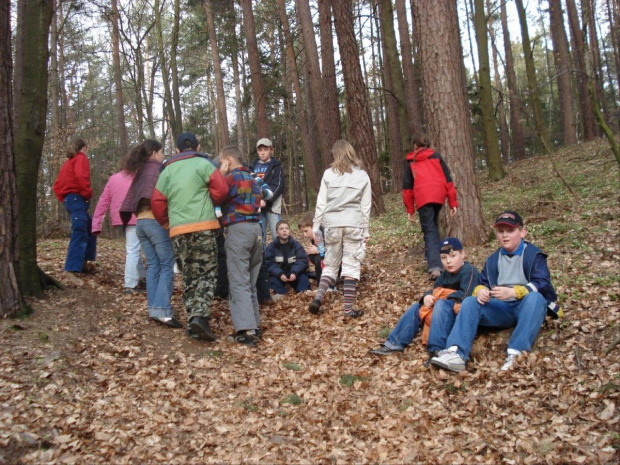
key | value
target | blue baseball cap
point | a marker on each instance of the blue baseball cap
(449, 244)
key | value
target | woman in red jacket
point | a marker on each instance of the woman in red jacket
(72, 188)
(426, 185)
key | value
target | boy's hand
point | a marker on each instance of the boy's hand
(263, 204)
(429, 301)
(292, 277)
(283, 278)
(411, 217)
(483, 296)
(312, 250)
(503, 293)
(453, 211)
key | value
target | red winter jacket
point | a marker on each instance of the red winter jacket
(74, 178)
(427, 180)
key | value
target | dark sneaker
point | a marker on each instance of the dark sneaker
(432, 354)
(199, 328)
(258, 333)
(354, 313)
(242, 337)
(132, 291)
(170, 322)
(314, 306)
(384, 350)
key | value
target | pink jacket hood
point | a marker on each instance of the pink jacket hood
(112, 198)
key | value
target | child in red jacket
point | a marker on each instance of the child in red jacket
(426, 184)
(72, 188)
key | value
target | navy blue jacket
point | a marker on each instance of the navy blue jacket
(286, 259)
(536, 273)
(464, 282)
(274, 178)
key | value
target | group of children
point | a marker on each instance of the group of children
(174, 207)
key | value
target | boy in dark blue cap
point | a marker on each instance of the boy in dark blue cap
(456, 281)
(514, 290)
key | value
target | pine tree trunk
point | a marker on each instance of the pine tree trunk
(11, 301)
(118, 81)
(331, 107)
(447, 110)
(258, 88)
(30, 131)
(578, 46)
(595, 54)
(238, 105)
(532, 82)
(360, 133)
(614, 33)
(516, 126)
(561, 58)
(174, 70)
(222, 117)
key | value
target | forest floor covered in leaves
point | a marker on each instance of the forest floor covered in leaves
(89, 379)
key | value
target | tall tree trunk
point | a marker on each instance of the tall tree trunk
(54, 92)
(411, 86)
(222, 117)
(11, 301)
(118, 80)
(579, 52)
(561, 58)
(360, 133)
(516, 127)
(614, 33)
(174, 69)
(447, 110)
(32, 73)
(331, 106)
(595, 53)
(532, 83)
(307, 134)
(494, 157)
(258, 88)
(238, 102)
(379, 120)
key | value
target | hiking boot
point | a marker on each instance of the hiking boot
(199, 328)
(510, 360)
(243, 337)
(354, 313)
(432, 354)
(384, 350)
(314, 306)
(258, 333)
(449, 360)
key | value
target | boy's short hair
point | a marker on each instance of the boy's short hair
(306, 221)
(187, 141)
(281, 222)
(509, 218)
(233, 152)
(449, 244)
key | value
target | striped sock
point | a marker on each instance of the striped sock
(326, 281)
(349, 293)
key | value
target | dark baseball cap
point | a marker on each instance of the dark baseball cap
(449, 244)
(186, 141)
(508, 218)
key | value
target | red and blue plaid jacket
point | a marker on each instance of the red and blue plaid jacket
(244, 196)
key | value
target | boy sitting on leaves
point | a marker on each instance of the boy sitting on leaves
(514, 290)
(456, 281)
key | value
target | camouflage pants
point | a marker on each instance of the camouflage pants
(197, 255)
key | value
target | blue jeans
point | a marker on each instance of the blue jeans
(441, 325)
(405, 330)
(134, 270)
(526, 315)
(429, 218)
(272, 219)
(82, 245)
(157, 248)
(302, 283)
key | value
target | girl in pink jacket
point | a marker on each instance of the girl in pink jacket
(112, 198)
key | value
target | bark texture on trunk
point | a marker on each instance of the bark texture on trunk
(118, 81)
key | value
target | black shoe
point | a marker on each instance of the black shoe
(384, 350)
(199, 328)
(314, 306)
(258, 333)
(132, 291)
(268, 301)
(432, 354)
(242, 337)
(354, 313)
(170, 322)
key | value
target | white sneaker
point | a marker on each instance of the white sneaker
(510, 359)
(277, 297)
(449, 360)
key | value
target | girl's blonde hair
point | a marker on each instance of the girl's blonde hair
(344, 157)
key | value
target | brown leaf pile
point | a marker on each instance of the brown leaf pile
(88, 379)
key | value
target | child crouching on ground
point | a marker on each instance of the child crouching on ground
(514, 290)
(456, 281)
(244, 245)
(305, 226)
(287, 262)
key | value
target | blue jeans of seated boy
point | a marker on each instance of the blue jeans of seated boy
(82, 245)
(526, 315)
(301, 284)
(429, 218)
(405, 330)
(442, 323)
(157, 248)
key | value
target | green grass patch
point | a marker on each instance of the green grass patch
(349, 380)
(385, 331)
(214, 353)
(292, 366)
(292, 399)
(44, 338)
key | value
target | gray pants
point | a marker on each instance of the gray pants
(244, 255)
